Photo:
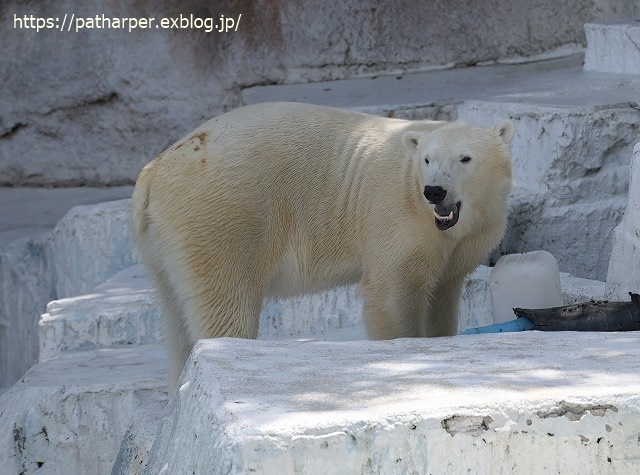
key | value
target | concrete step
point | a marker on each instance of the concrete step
(123, 311)
(104, 400)
(531, 402)
(613, 46)
(428, 94)
(436, 94)
(70, 413)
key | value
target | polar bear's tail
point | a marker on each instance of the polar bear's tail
(139, 206)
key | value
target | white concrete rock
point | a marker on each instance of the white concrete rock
(85, 248)
(138, 440)
(122, 311)
(624, 266)
(530, 402)
(68, 415)
(576, 289)
(571, 155)
(613, 46)
(26, 285)
(332, 314)
(89, 245)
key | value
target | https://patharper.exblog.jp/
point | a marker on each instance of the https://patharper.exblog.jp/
(70, 22)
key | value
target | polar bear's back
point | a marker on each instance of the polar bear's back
(300, 145)
(280, 181)
(277, 153)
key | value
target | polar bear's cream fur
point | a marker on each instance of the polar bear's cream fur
(283, 199)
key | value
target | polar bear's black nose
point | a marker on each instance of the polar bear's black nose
(435, 194)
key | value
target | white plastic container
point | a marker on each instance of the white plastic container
(529, 280)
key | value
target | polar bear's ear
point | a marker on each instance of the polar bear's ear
(410, 140)
(505, 130)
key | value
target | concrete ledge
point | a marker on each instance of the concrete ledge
(430, 94)
(123, 311)
(545, 402)
(333, 314)
(69, 414)
(613, 46)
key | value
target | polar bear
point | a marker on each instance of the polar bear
(282, 199)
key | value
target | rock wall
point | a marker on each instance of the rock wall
(92, 106)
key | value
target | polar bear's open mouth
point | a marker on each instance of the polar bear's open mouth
(446, 217)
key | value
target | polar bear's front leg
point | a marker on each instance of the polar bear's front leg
(394, 306)
(442, 319)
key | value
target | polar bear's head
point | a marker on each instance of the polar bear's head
(465, 172)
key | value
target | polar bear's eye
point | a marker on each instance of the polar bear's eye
(465, 159)
(426, 160)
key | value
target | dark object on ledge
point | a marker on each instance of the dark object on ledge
(594, 316)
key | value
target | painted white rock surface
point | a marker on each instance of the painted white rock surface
(68, 415)
(576, 289)
(122, 311)
(138, 440)
(530, 402)
(84, 249)
(613, 46)
(624, 266)
(571, 154)
(89, 245)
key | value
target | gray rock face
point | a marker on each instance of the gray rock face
(92, 106)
